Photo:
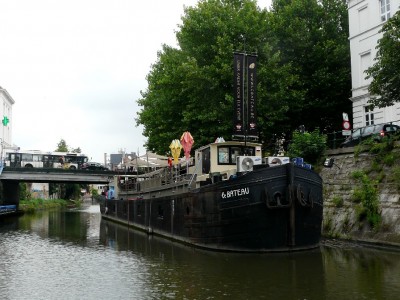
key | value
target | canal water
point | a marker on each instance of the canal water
(75, 254)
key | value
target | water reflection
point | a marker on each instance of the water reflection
(338, 270)
(76, 255)
(221, 274)
(362, 273)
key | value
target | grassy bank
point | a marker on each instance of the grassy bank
(40, 204)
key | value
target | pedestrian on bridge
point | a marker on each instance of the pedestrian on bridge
(61, 160)
(110, 194)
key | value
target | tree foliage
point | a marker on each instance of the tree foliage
(190, 89)
(308, 145)
(63, 147)
(385, 73)
(303, 70)
(24, 191)
(311, 38)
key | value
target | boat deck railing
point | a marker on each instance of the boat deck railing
(165, 178)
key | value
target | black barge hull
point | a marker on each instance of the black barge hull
(267, 210)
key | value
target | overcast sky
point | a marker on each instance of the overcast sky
(75, 69)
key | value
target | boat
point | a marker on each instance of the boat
(9, 210)
(225, 201)
(230, 197)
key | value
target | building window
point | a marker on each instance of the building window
(365, 63)
(369, 116)
(363, 18)
(385, 10)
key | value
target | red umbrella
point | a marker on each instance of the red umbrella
(187, 143)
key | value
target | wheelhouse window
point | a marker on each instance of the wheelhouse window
(235, 152)
(369, 116)
(227, 154)
(385, 10)
(223, 155)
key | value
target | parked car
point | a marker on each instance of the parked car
(377, 132)
(94, 166)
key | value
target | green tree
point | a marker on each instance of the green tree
(94, 192)
(191, 88)
(311, 78)
(62, 146)
(24, 191)
(309, 145)
(385, 73)
(76, 150)
(72, 191)
(303, 70)
(163, 101)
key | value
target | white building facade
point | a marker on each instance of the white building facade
(6, 103)
(366, 18)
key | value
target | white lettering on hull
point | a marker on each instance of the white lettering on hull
(235, 193)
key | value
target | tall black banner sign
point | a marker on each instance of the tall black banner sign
(251, 121)
(238, 101)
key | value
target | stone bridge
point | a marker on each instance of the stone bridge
(11, 177)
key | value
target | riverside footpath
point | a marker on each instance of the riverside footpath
(362, 195)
